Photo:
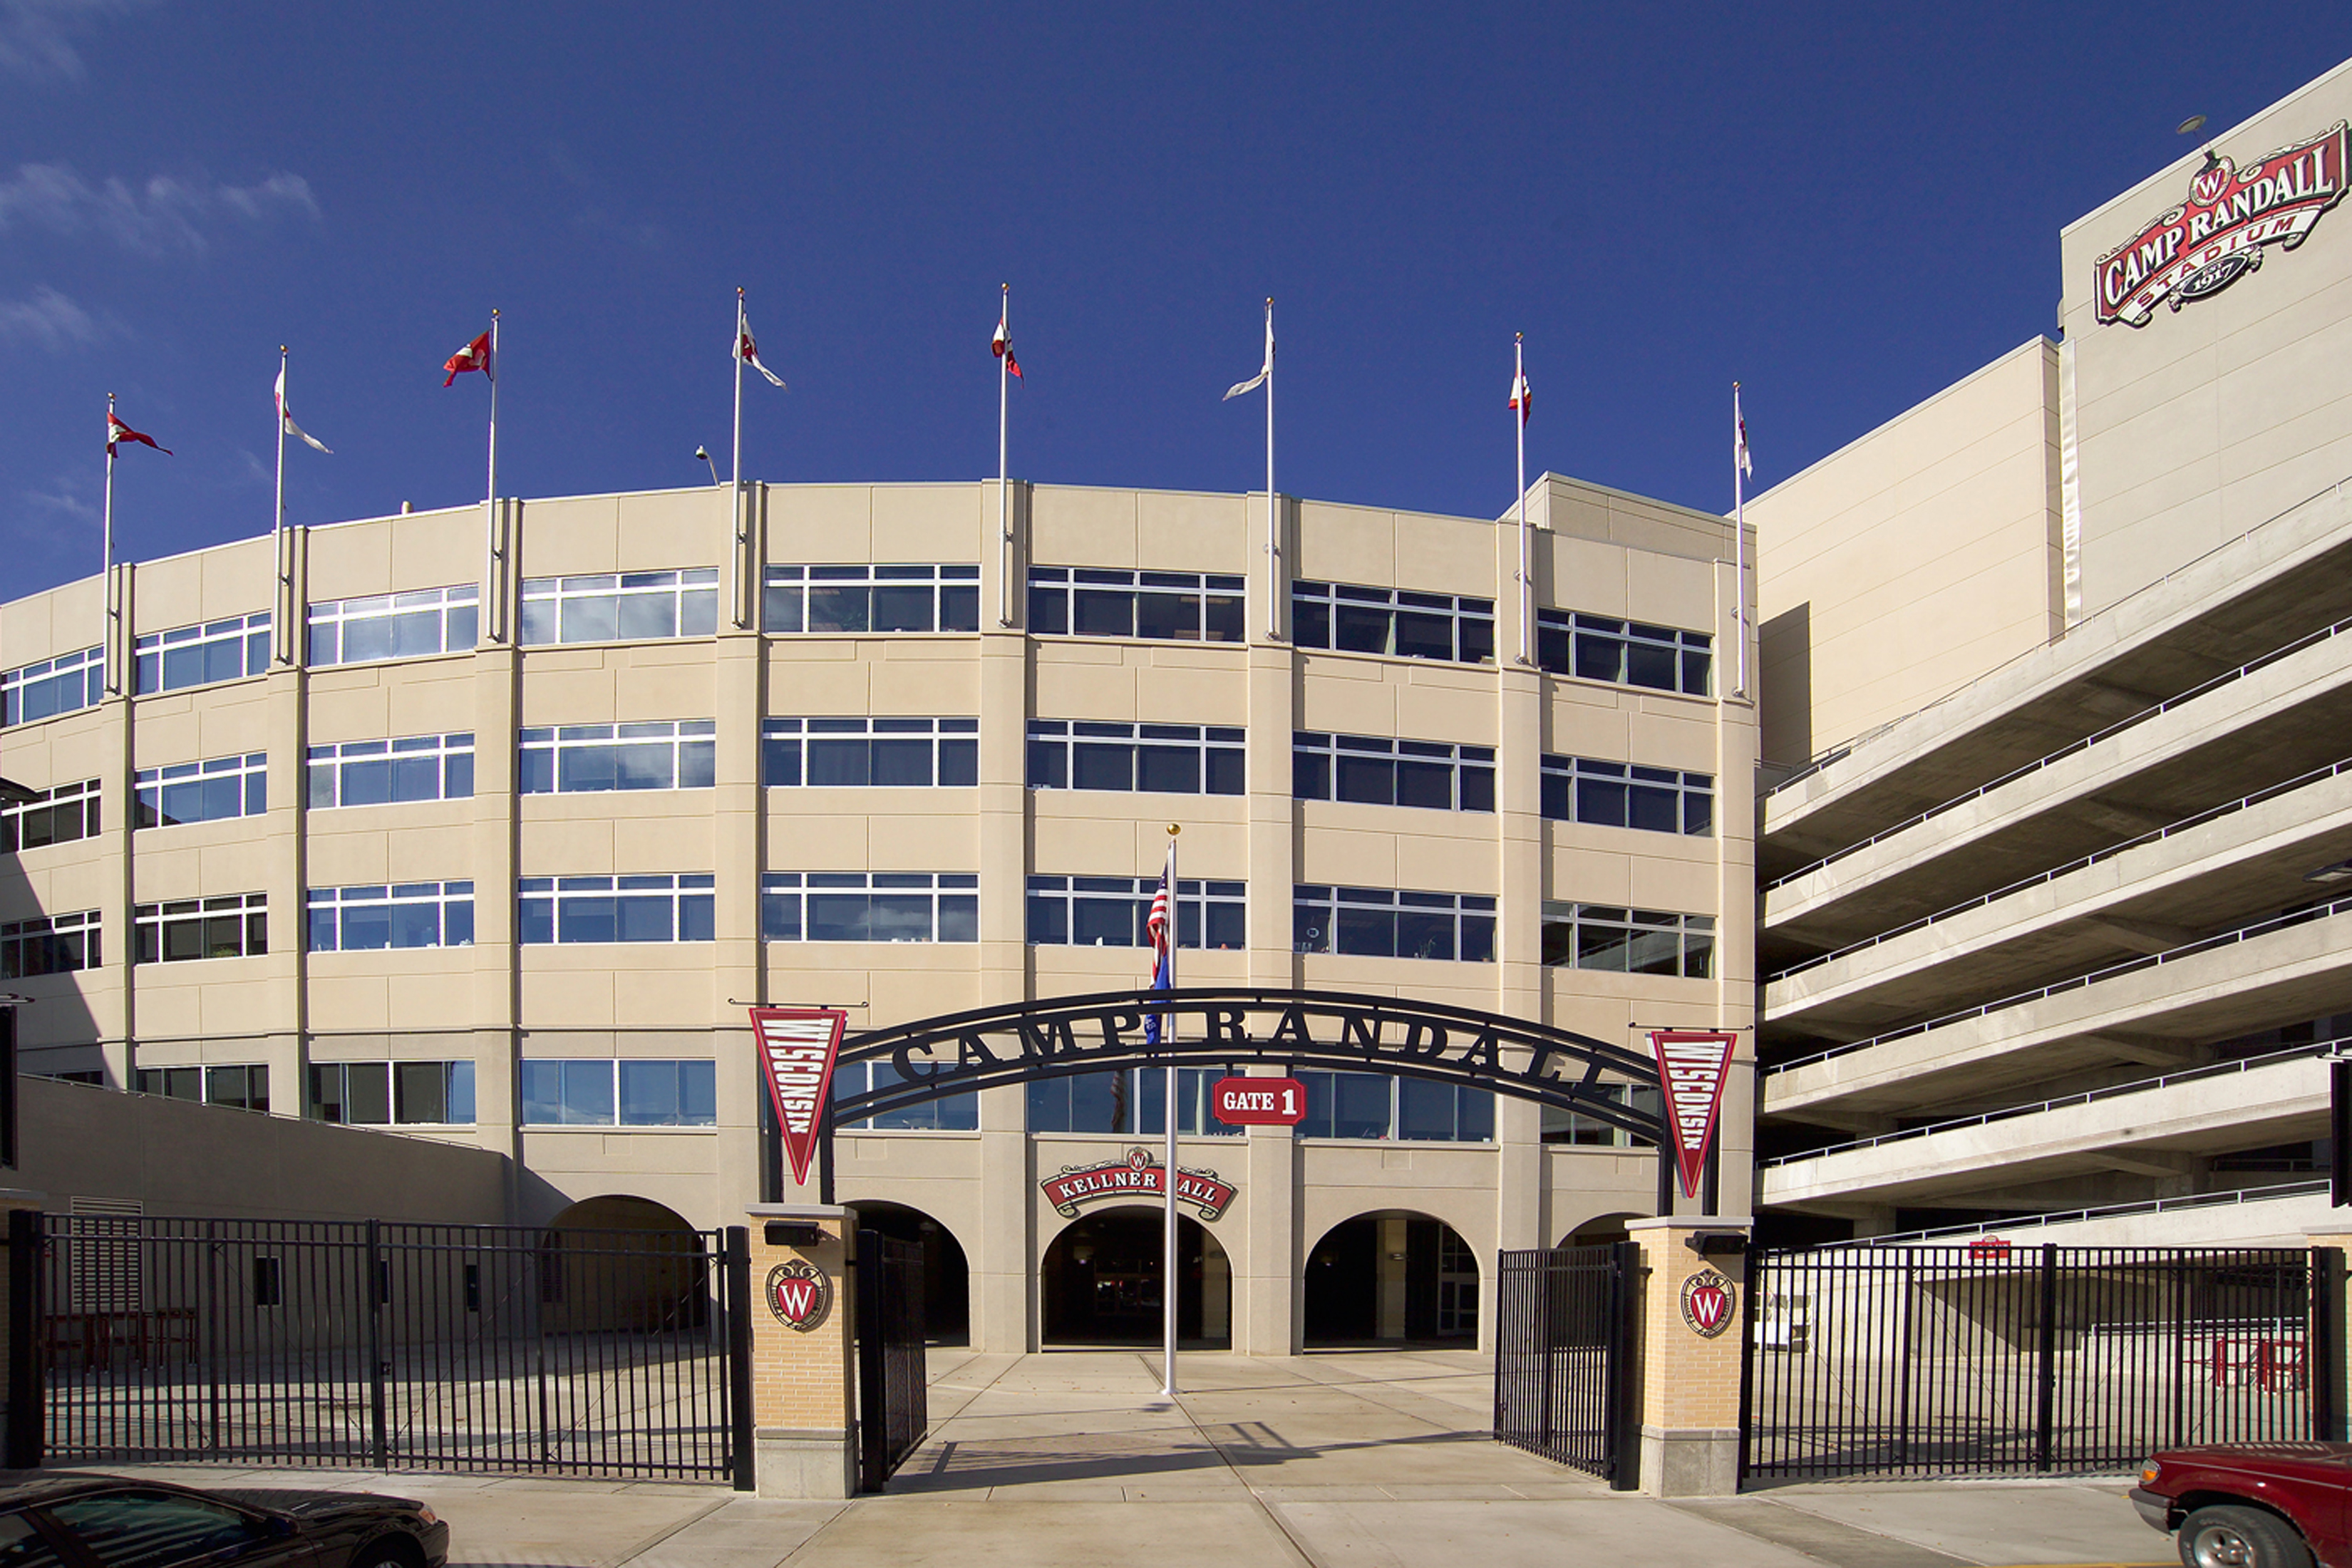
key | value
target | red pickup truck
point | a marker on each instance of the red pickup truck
(2252, 1505)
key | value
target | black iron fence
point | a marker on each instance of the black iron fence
(385, 1345)
(893, 1389)
(1976, 1359)
(1563, 1367)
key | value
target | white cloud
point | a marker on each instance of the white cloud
(37, 36)
(50, 321)
(163, 214)
(62, 499)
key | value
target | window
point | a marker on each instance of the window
(1595, 648)
(621, 606)
(616, 908)
(387, 773)
(863, 905)
(405, 914)
(1391, 620)
(52, 687)
(1171, 759)
(1378, 923)
(1569, 1127)
(1109, 911)
(233, 926)
(1374, 772)
(57, 815)
(1133, 1100)
(389, 1094)
(953, 1113)
(892, 752)
(198, 656)
(395, 625)
(836, 599)
(580, 758)
(241, 1086)
(157, 1530)
(1629, 942)
(202, 792)
(49, 944)
(1175, 606)
(1622, 794)
(625, 1093)
(1410, 1110)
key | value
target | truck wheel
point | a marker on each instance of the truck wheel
(2226, 1536)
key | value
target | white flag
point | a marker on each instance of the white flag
(285, 420)
(1266, 370)
(1739, 450)
(749, 353)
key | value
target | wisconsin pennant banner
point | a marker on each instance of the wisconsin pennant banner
(797, 1047)
(1691, 1067)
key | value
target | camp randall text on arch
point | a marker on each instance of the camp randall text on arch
(1024, 1042)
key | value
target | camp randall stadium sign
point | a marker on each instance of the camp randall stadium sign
(2217, 234)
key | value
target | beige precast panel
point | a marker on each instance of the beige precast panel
(41, 625)
(393, 554)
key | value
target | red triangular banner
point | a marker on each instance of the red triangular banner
(1691, 1067)
(797, 1047)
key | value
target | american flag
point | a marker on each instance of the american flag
(1156, 928)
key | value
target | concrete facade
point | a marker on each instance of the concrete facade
(487, 1009)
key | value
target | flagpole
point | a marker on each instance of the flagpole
(735, 473)
(1526, 574)
(1004, 504)
(1273, 536)
(1739, 538)
(1167, 1175)
(277, 525)
(106, 568)
(497, 588)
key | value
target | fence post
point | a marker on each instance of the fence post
(735, 1266)
(2046, 1360)
(802, 1380)
(27, 1415)
(380, 1456)
(1622, 1428)
(2325, 1372)
(1692, 1272)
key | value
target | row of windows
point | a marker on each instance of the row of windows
(617, 606)
(887, 753)
(199, 656)
(836, 599)
(54, 685)
(1380, 923)
(869, 906)
(50, 945)
(395, 625)
(1168, 606)
(241, 1086)
(1629, 942)
(1397, 621)
(57, 815)
(623, 1093)
(1110, 912)
(615, 909)
(1626, 795)
(573, 758)
(1627, 653)
(1134, 1102)
(1376, 772)
(209, 791)
(235, 925)
(388, 773)
(404, 914)
(392, 1094)
(1173, 758)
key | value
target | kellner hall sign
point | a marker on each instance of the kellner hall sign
(2208, 242)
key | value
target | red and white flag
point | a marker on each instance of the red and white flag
(749, 353)
(475, 356)
(1521, 398)
(117, 431)
(285, 420)
(1747, 465)
(1002, 347)
(798, 1046)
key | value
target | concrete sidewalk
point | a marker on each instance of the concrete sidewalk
(1070, 1458)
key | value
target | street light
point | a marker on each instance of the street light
(704, 453)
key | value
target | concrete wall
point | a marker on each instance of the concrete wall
(1908, 562)
(2212, 419)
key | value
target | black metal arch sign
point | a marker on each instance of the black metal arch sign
(1338, 1030)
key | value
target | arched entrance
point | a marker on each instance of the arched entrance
(947, 1275)
(1393, 1276)
(1602, 1228)
(622, 1263)
(1101, 1283)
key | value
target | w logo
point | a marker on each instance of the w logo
(797, 1294)
(1707, 1302)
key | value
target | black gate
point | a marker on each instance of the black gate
(1563, 1364)
(385, 1345)
(893, 1387)
(1978, 1359)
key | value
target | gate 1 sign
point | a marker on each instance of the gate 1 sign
(1692, 1066)
(797, 1047)
(1259, 1101)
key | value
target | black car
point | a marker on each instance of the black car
(100, 1522)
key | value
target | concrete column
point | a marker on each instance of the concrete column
(803, 1379)
(498, 1110)
(284, 868)
(1268, 1286)
(1690, 1356)
(738, 834)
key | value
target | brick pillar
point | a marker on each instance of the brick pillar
(804, 1388)
(1689, 1378)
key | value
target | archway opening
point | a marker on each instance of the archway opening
(1391, 1278)
(1101, 1280)
(618, 1264)
(947, 1275)
(1602, 1228)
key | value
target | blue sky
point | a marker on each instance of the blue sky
(1843, 207)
